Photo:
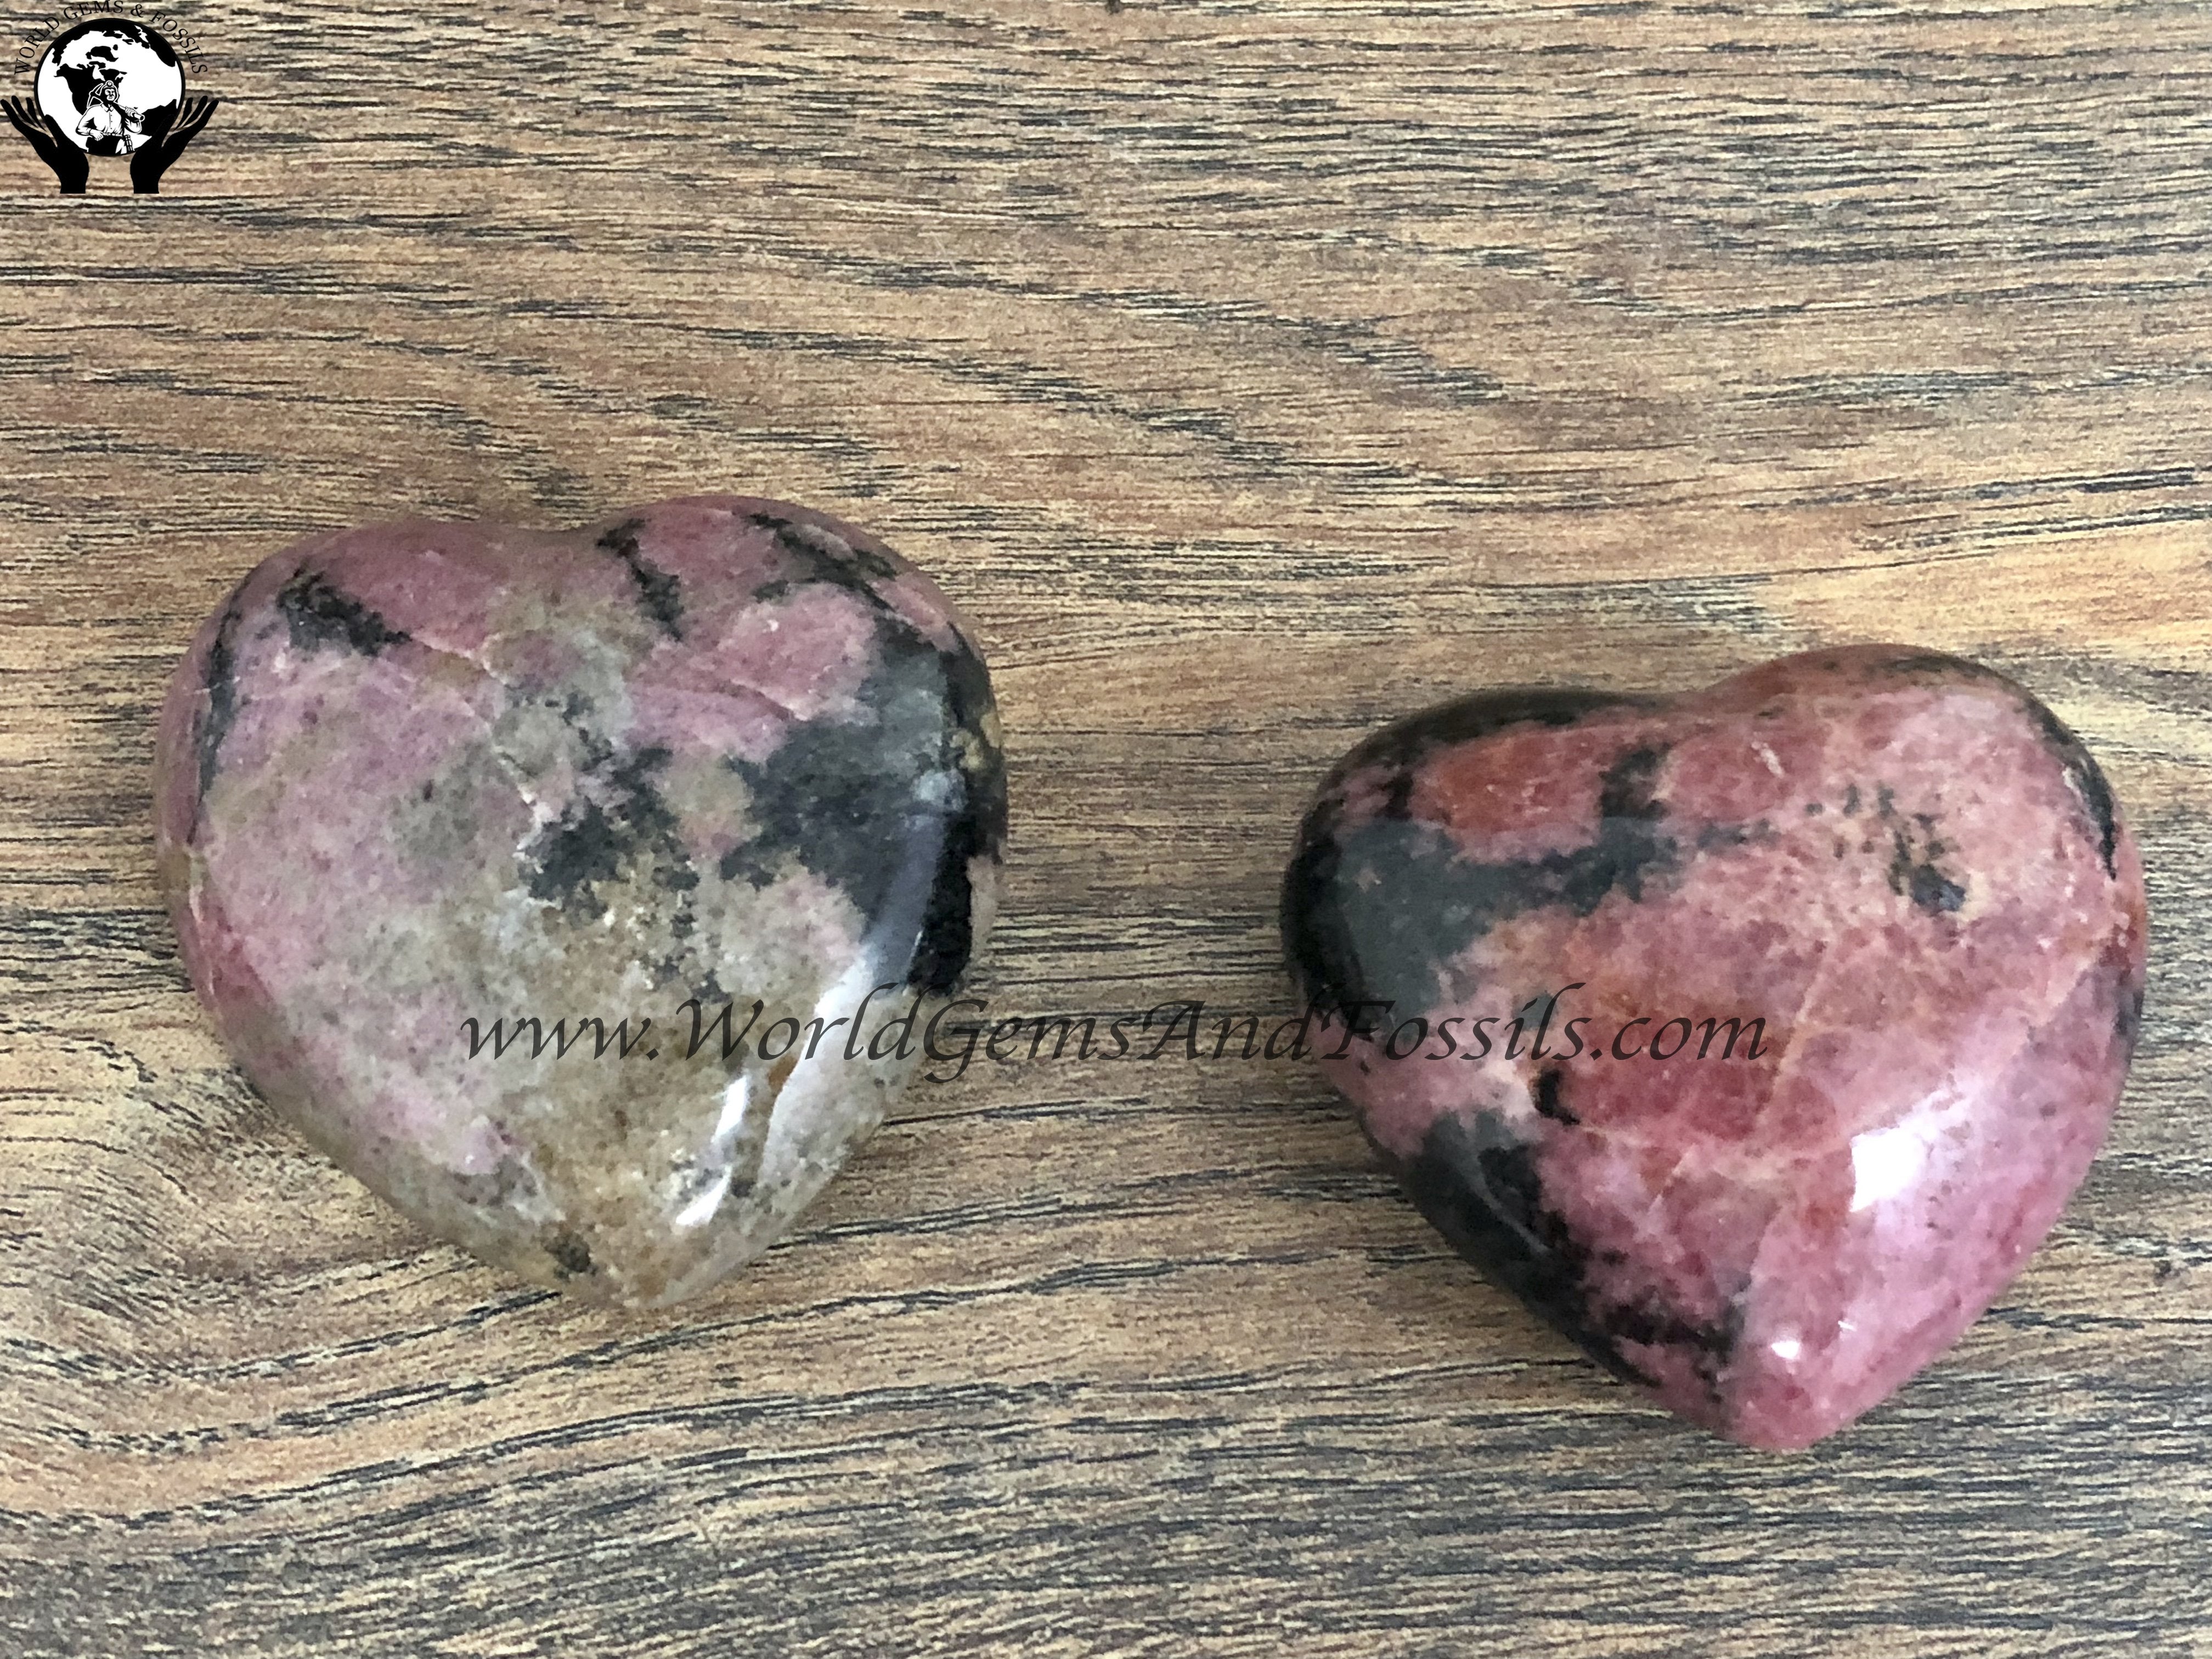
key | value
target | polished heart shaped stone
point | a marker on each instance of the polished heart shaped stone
(1826, 980)
(423, 783)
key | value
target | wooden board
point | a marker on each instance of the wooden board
(1251, 373)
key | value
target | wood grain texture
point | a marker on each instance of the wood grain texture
(1251, 372)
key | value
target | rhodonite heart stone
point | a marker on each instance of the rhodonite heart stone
(715, 752)
(1825, 980)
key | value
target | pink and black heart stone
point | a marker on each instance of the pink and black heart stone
(420, 778)
(1753, 1038)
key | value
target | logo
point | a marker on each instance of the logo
(109, 86)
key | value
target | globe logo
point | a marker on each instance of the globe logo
(109, 85)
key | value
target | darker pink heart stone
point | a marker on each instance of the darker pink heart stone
(1753, 1038)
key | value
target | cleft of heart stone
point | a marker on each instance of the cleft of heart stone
(1808, 997)
(416, 779)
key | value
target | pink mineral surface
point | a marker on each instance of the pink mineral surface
(1899, 864)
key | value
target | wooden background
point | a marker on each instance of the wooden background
(1251, 372)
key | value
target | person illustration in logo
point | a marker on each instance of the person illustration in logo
(107, 128)
(111, 87)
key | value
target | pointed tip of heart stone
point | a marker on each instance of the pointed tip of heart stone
(1893, 873)
(420, 785)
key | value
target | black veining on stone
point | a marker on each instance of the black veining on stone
(1549, 1089)
(889, 808)
(317, 614)
(888, 802)
(2127, 1008)
(974, 824)
(2088, 779)
(658, 591)
(1479, 1186)
(977, 831)
(1551, 1084)
(220, 676)
(822, 557)
(571, 1254)
(1915, 848)
(2081, 769)
(1714, 835)
(617, 819)
(1343, 948)
(1624, 791)
(1401, 746)
(618, 827)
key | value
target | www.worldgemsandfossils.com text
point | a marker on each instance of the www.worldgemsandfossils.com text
(955, 1032)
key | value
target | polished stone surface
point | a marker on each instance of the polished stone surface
(1899, 865)
(717, 748)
